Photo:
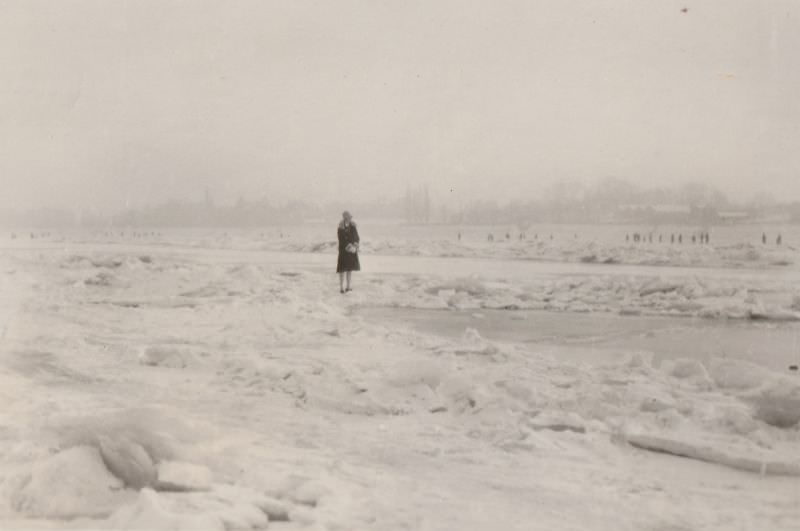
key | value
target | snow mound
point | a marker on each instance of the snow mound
(125, 436)
(461, 393)
(774, 397)
(691, 371)
(181, 476)
(737, 419)
(153, 512)
(656, 402)
(723, 452)
(128, 461)
(165, 356)
(557, 421)
(309, 493)
(223, 507)
(70, 484)
(777, 401)
(736, 374)
(473, 343)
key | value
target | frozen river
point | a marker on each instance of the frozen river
(600, 338)
(269, 394)
(591, 337)
(488, 268)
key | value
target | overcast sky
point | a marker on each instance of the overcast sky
(106, 103)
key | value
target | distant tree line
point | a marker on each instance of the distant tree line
(177, 213)
(614, 200)
(187, 214)
(610, 200)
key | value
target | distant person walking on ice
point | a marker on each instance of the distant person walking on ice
(348, 250)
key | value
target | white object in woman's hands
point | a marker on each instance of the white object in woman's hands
(351, 248)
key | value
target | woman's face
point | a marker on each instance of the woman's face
(347, 217)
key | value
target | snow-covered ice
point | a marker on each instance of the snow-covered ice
(199, 390)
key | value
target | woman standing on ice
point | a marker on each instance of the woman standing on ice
(348, 250)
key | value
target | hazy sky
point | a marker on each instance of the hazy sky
(107, 102)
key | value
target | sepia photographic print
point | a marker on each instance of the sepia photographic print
(384, 265)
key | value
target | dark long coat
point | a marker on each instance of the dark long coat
(347, 261)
